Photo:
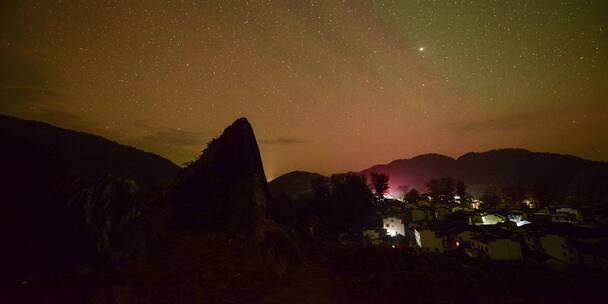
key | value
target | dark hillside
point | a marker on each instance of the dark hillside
(66, 195)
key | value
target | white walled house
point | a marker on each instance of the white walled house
(553, 243)
(430, 241)
(491, 219)
(496, 248)
(563, 243)
(394, 226)
(557, 247)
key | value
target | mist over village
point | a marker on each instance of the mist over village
(303, 151)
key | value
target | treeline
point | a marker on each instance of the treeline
(339, 203)
(349, 201)
(453, 192)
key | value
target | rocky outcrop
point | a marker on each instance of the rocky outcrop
(225, 187)
(83, 223)
(110, 217)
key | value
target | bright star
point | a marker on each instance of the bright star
(421, 49)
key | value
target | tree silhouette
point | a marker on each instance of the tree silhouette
(343, 201)
(540, 193)
(461, 190)
(491, 198)
(351, 200)
(514, 195)
(412, 196)
(442, 190)
(403, 190)
(379, 185)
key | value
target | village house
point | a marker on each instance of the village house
(475, 204)
(393, 225)
(566, 215)
(496, 247)
(441, 212)
(463, 234)
(425, 202)
(518, 217)
(529, 203)
(574, 213)
(491, 219)
(551, 240)
(418, 214)
(431, 238)
(559, 248)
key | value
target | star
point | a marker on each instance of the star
(421, 49)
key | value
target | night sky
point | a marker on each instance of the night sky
(329, 86)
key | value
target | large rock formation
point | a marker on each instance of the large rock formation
(225, 187)
(110, 215)
(82, 222)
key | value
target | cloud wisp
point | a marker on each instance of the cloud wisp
(176, 137)
(503, 123)
(281, 140)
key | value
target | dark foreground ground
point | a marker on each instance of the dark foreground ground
(202, 267)
(195, 267)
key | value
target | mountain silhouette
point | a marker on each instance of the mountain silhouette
(51, 152)
(564, 174)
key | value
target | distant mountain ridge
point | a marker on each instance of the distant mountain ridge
(294, 183)
(504, 167)
(71, 152)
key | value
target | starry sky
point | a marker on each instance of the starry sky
(329, 86)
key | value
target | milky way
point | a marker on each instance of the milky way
(329, 86)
